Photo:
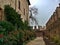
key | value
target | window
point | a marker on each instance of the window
(24, 11)
(0, 14)
(19, 4)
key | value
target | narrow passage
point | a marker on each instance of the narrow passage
(37, 41)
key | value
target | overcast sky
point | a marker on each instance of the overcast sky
(45, 9)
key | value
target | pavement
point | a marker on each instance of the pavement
(37, 41)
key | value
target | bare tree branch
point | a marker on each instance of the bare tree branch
(33, 11)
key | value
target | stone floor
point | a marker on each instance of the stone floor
(37, 41)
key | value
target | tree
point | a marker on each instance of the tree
(33, 11)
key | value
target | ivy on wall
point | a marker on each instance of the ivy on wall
(13, 31)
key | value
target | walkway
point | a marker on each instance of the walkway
(48, 42)
(37, 41)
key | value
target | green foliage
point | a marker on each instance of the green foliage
(15, 18)
(13, 31)
(6, 26)
(25, 25)
(56, 39)
(12, 16)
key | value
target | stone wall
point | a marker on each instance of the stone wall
(53, 24)
(21, 6)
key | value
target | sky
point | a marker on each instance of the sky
(45, 9)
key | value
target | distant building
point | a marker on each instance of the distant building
(43, 28)
(38, 30)
(21, 6)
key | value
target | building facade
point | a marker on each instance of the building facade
(21, 6)
(53, 24)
